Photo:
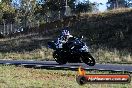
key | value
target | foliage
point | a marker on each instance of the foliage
(84, 7)
(28, 12)
(112, 4)
(7, 12)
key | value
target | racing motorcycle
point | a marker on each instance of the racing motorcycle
(73, 51)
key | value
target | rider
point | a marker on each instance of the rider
(65, 35)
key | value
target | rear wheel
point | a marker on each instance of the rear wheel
(59, 58)
(88, 59)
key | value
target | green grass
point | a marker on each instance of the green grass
(19, 77)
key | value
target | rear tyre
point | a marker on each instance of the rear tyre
(59, 58)
(88, 59)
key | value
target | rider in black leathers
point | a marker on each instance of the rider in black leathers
(63, 38)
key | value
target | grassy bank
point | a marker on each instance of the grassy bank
(101, 56)
(31, 48)
(19, 77)
(108, 34)
(35, 48)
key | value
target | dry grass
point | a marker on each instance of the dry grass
(107, 13)
(38, 54)
(101, 55)
(25, 48)
(112, 56)
(19, 77)
(35, 46)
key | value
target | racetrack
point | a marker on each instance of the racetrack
(53, 64)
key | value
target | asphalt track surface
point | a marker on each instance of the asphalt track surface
(53, 64)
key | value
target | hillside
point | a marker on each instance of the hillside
(108, 34)
(110, 29)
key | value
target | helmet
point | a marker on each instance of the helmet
(65, 33)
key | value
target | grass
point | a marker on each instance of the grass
(101, 55)
(18, 49)
(31, 48)
(19, 77)
(109, 29)
(107, 13)
(38, 54)
(112, 56)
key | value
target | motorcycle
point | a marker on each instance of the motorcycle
(73, 51)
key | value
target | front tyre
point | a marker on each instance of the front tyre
(88, 59)
(58, 57)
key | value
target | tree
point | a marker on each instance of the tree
(25, 13)
(6, 1)
(84, 7)
(7, 11)
(128, 3)
(113, 4)
(95, 7)
(55, 9)
(7, 15)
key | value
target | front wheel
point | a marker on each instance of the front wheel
(58, 57)
(88, 59)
